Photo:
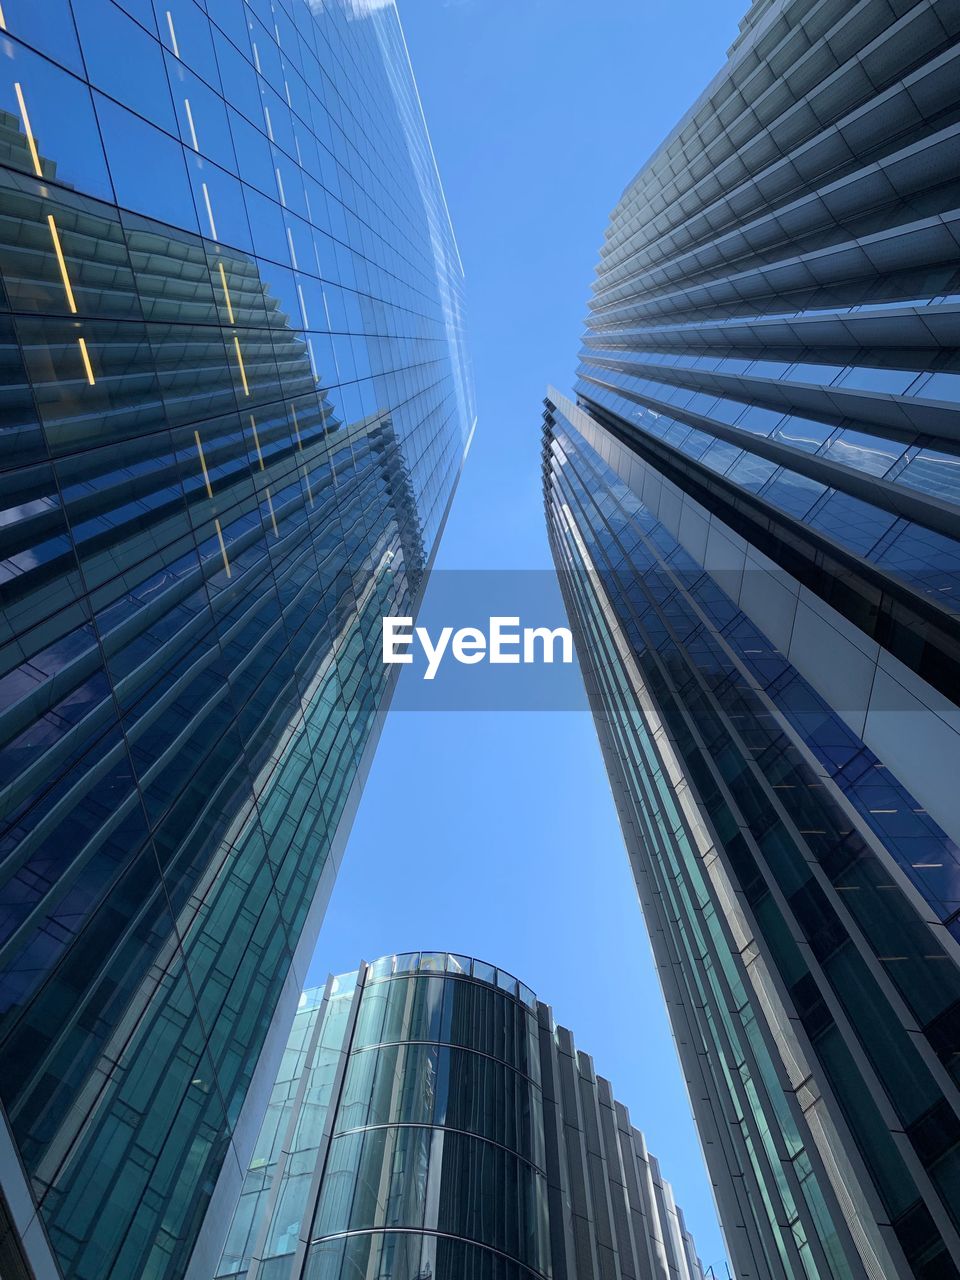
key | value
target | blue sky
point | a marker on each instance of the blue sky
(494, 834)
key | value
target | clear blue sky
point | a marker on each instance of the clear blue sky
(495, 834)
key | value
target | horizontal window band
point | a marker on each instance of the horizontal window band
(447, 1044)
(440, 1128)
(933, 514)
(434, 1234)
(907, 624)
(909, 419)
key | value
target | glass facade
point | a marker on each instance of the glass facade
(753, 512)
(235, 405)
(429, 1120)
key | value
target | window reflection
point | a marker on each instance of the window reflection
(867, 453)
(941, 386)
(508, 1211)
(160, 186)
(935, 473)
(125, 62)
(218, 198)
(201, 116)
(854, 524)
(62, 142)
(194, 609)
(182, 23)
(804, 433)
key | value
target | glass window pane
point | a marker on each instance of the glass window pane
(56, 129)
(124, 61)
(47, 27)
(201, 116)
(157, 187)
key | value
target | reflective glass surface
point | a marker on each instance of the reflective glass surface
(741, 724)
(756, 494)
(456, 1114)
(235, 405)
(874, 532)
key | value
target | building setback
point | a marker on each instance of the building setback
(754, 508)
(430, 1122)
(235, 406)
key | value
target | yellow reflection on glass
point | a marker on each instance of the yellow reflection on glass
(85, 357)
(203, 464)
(226, 291)
(256, 440)
(27, 130)
(67, 288)
(243, 372)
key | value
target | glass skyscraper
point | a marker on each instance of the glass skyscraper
(235, 405)
(430, 1122)
(754, 507)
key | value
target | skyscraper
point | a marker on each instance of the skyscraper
(754, 507)
(429, 1122)
(235, 408)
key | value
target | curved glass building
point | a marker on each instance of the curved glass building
(235, 403)
(430, 1122)
(754, 505)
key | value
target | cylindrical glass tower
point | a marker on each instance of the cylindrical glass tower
(430, 1121)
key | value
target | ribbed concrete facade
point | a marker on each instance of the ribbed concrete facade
(754, 504)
